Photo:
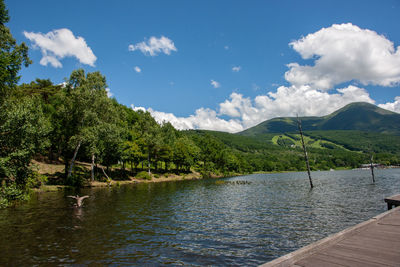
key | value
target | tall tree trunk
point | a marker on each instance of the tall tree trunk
(372, 169)
(108, 178)
(71, 166)
(305, 152)
(66, 166)
(92, 166)
(148, 162)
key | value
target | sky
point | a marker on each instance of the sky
(219, 65)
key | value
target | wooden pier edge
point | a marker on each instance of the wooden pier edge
(291, 258)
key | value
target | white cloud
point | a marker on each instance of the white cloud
(215, 84)
(289, 101)
(236, 69)
(61, 43)
(226, 47)
(109, 94)
(245, 113)
(394, 106)
(154, 46)
(203, 118)
(137, 69)
(344, 53)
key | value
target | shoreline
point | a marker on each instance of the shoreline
(48, 169)
(130, 180)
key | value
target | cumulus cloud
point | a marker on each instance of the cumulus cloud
(154, 46)
(245, 112)
(137, 69)
(109, 94)
(289, 101)
(203, 118)
(61, 43)
(344, 53)
(236, 69)
(341, 53)
(215, 84)
(393, 106)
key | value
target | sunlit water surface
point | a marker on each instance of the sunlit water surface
(201, 222)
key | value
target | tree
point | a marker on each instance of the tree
(149, 131)
(168, 135)
(12, 56)
(23, 133)
(85, 117)
(186, 153)
(23, 128)
(133, 152)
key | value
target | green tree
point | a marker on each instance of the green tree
(149, 131)
(12, 56)
(85, 117)
(169, 136)
(23, 133)
(186, 153)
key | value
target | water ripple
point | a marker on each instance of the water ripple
(246, 220)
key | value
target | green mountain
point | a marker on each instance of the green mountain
(344, 139)
(355, 116)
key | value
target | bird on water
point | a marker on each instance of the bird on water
(79, 200)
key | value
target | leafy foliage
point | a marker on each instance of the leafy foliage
(12, 55)
(143, 175)
(23, 133)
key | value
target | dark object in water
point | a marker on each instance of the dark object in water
(78, 200)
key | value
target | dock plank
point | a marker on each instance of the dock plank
(375, 242)
(360, 254)
(388, 257)
(319, 260)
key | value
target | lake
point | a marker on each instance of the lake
(246, 220)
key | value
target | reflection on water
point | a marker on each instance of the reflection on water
(247, 220)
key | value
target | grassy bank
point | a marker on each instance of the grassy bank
(53, 172)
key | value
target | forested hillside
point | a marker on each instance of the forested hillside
(355, 116)
(327, 149)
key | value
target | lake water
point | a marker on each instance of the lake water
(203, 222)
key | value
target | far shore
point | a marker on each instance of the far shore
(50, 169)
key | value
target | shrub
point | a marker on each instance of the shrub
(205, 174)
(143, 175)
(9, 193)
(77, 177)
(74, 180)
(156, 176)
(35, 180)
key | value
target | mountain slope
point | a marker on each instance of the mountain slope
(355, 116)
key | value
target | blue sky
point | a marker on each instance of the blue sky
(220, 65)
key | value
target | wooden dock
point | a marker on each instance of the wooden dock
(375, 242)
(393, 201)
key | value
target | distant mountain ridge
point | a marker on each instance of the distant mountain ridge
(359, 116)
